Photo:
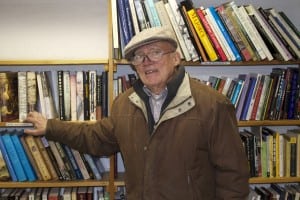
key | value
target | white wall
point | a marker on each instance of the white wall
(53, 29)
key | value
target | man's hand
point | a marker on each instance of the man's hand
(39, 123)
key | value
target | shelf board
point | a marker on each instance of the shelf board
(35, 184)
(119, 181)
(53, 62)
(240, 123)
(269, 123)
(260, 180)
(226, 63)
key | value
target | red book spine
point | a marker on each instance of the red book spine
(211, 35)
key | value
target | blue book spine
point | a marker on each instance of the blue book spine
(13, 156)
(123, 21)
(7, 161)
(225, 33)
(31, 176)
(237, 92)
(73, 161)
(248, 98)
(93, 166)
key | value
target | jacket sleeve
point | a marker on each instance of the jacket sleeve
(95, 138)
(228, 155)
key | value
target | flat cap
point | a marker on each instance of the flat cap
(148, 36)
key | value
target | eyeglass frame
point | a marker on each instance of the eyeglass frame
(143, 56)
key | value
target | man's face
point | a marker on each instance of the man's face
(156, 73)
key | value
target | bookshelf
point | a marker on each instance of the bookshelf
(112, 65)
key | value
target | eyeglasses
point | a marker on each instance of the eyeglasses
(155, 55)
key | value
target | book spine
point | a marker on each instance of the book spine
(79, 96)
(51, 157)
(73, 96)
(46, 158)
(202, 35)
(60, 94)
(8, 163)
(13, 156)
(178, 33)
(31, 91)
(93, 167)
(225, 33)
(62, 168)
(28, 169)
(81, 164)
(86, 96)
(211, 35)
(92, 95)
(67, 95)
(73, 162)
(122, 16)
(29, 139)
(22, 95)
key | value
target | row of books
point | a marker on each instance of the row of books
(227, 32)
(67, 95)
(262, 97)
(271, 153)
(55, 193)
(275, 191)
(29, 158)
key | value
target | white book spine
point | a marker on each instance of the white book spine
(73, 96)
(269, 31)
(92, 93)
(67, 95)
(134, 16)
(177, 32)
(285, 37)
(31, 90)
(79, 96)
(256, 34)
(22, 95)
(248, 29)
(41, 95)
(220, 36)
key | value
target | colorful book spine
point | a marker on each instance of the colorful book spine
(225, 33)
(13, 157)
(202, 35)
(30, 174)
(9, 164)
(211, 35)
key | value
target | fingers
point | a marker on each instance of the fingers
(39, 123)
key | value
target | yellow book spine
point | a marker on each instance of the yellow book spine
(37, 156)
(202, 35)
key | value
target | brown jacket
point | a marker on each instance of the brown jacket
(194, 152)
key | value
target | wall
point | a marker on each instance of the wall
(53, 29)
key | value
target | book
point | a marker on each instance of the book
(31, 86)
(81, 164)
(291, 154)
(182, 29)
(66, 96)
(73, 96)
(115, 30)
(28, 169)
(125, 22)
(22, 95)
(92, 94)
(93, 167)
(52, 158)
(4, 173)
(9, 96)
(79, 96)
(61, 107)
(13, 157)
(184, 6)
(181, 41)
(31, 159)
(232, 48)
(264, 92)
(152, 13)
(86, 95)
(211, 34)
(234, 32)
(46, 157)
(62, 168)
(73, 163)
(256, 92)
(142, 21)
(207, 45)
(289, 22)
(134, 18)
(40, 163)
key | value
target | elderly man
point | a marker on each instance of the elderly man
(178, 138)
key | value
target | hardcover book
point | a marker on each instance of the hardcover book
(9, 96)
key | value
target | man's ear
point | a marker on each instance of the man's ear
(177, 58)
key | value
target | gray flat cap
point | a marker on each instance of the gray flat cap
(148, 36)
